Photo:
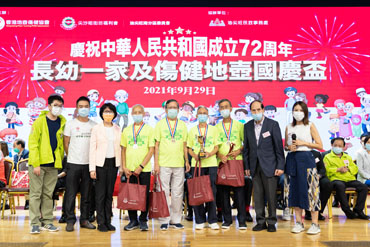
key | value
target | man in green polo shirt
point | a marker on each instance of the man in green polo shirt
(137, 143)
(170, 155)
(341, 171)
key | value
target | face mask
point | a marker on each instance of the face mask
(172, 113)
(137, 118)
(298, 115)
(83, 112)
(108, 117)
(225, 113)
(337, 150)
(202, 118)
(56, 110)
(367, 146)
(16, 150)
(257, 117)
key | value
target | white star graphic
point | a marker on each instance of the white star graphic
(170, 32)
(179, 30)
(188, 31)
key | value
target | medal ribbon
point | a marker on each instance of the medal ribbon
(173, 132)
(231, 126)
(205, 134)
(135, 135)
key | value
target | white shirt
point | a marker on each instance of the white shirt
(110, 138)
(303, 133)
(79, 143)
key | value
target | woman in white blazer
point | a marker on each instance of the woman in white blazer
(105, 158)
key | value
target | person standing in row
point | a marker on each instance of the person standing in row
(46, 153)
(104, 160)
(231, 133)
(77, 135)
(210, 140)
(137, 144)
(170, 153)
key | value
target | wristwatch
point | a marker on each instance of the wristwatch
(142, 167)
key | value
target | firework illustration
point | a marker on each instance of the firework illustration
(334, 42)
(17, 61)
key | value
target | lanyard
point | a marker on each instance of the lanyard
(172, 132)
(135, 135)
(228, 135)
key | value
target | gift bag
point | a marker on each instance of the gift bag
(132, 196)
(231, 173)
(20, 179)
(158, 207)
(199, 187)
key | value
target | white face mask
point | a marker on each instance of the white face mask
(56, 110)
(225, 113)
(298, 115)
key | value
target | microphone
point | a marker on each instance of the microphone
(294, 137)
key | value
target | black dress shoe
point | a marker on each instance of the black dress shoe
(110, 227)
(69, 227)
(63, 219)
(361, 215)
(92, 218)
(350, 214)
(271, 228)
(87, 225)
(321, 217)
(259, 227)
(102, 228)
(248, 217)
(307, 215)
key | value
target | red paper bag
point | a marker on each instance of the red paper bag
(132, 196)
(199, 187)
(231, 173)
(20, 179)
(158, 207)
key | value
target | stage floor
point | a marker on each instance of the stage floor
(15, 229)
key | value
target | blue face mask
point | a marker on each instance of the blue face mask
(337, 150)
(257, 117)
(137, 118)
(225, 113)
(367, 146)
(83, 112)
(202, 118)
(172, 113)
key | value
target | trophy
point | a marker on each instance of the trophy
(202, 153)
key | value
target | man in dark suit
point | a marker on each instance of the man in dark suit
(263, 156)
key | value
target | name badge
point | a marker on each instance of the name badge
(346, 162)
(266, 134)
(317, 160)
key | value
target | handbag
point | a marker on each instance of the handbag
(158, 207)
(231, 173)
(199, 187)
(132, 196)
(20, 179)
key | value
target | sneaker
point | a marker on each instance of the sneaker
(214, 226)
(199, 226)
(69, 227)
(226, 225)
(102, 228)
(50, 228)
(177, 226)
(87, 225)
(164, 227)
(286, 214)
(144, 226)
(35, 230)
(298, 227)
(242, 227)
(314, 229)
(131, 226)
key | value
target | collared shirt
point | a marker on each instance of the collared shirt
(258, 128)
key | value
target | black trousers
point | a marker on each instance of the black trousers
(92, 207)
(61, 183)
(105, 179)
(239, 201)
(144, 179)
(326, 187)
(340, 188)
(78, 180)
(264, 188)
(248, 191)
(210, 207)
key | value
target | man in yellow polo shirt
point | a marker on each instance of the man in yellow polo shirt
(205, 136)
(231, 132)
(341, 171)
(169, 158)
(137, 143)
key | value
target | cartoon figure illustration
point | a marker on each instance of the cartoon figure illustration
(334, 126)
(289, 102)
(366, 114)
(146, 118)
(348, 108)
(270, 111)
(9, 135)
(321, 99)
(35, 107)
(361, 92)
(214, 114)
(11, 111)
(93, 96)
(301, 97)
(163, 114)
(249, 98)
(356, 125)
(186, 114)
(122, 107)
(241, 115)
(345, 128)
(60, 90)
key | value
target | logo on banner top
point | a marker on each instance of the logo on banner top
(68, 23)
(2, 23)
